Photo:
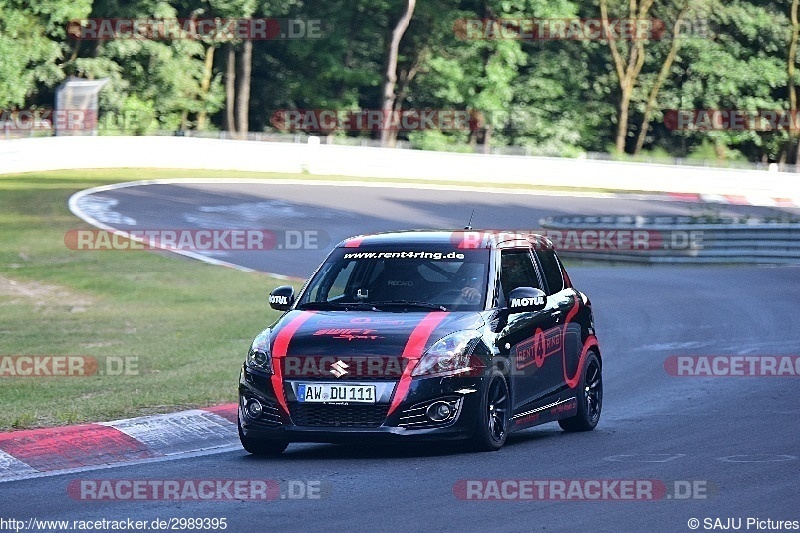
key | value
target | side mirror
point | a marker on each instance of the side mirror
(282, 298)
(526, 300)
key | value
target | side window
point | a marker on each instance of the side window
(334, 288)
(517, 270)
(551, 270)
(340, 283)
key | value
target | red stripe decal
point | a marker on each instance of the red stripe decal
(279, 350)
(570, 315)
(591, 342)
(73, 447)
(354, 242)
(413, 351)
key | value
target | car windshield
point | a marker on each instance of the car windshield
(399, 279)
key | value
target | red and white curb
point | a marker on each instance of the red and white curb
(733, 199)
(38, 452)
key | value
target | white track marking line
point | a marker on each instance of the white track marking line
(186, 455)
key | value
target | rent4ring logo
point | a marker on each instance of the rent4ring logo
(67, 366)
(581, 489)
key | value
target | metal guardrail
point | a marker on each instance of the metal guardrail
(690, 240)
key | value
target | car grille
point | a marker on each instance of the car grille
(330, 378)
(349, 416)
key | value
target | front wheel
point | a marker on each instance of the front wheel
(261, 446)
(590, 398)
(492, 424)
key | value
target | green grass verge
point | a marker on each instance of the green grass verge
(188, 323)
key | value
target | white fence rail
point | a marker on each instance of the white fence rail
(52, 153)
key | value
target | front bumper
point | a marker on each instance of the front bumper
(348, 422)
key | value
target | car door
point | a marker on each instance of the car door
(533, 372)
(562, 305)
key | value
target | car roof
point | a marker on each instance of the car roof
(463, 239)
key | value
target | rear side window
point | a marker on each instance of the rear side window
(551, 270)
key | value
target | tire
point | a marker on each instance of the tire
(492, 425)
(262, 446)
(590, 398)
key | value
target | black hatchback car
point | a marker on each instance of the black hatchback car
(464, 335)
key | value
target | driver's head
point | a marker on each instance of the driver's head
(470, 275)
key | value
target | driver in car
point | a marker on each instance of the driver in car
(471, 294)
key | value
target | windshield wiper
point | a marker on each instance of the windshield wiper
(410, 303)
(323, 306)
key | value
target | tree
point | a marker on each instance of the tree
(237, 81)
(628, 65)
(791, 75)
(666, 65)
(553, 96)
(741, 67)
(32, 45)
(389, 132)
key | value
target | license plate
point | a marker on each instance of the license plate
(329, 392)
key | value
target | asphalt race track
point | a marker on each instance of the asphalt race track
(736, 439)
(329, 214)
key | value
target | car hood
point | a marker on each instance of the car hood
(365, 333)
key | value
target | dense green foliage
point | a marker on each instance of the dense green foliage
(551, 96)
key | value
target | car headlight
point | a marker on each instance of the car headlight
(259, 356)
(448, 355)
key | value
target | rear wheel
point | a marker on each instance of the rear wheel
(261, 446)
(590, 398)
(492, 425)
